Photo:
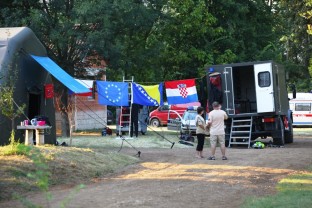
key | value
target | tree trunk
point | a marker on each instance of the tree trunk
(12, 136)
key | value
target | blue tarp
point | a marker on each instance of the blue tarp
(60, 74)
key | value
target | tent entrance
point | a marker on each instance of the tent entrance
(34, 104)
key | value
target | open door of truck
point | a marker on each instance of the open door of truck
(264, 87)
(174, 120)
(229, 92)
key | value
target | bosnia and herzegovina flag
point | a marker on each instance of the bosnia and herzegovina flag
(147, 95)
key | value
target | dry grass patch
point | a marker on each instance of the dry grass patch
(68, 165)
(151, 140)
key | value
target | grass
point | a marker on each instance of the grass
(90, 156)
(302, 131)
(68, 166)
(293, 191)
(151, 140)
(93, 155)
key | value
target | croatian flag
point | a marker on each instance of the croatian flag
(181, 91)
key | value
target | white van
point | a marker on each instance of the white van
(301, 108)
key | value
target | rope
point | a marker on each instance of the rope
(124, 140)
(105, 123)
(20, 109)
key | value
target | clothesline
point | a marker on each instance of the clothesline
(158, 82)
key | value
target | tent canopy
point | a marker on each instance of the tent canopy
(61, 75)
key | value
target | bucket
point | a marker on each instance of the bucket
(104, 132)
(41, 123)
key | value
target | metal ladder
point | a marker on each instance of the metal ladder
(123, 122)
(241, 130)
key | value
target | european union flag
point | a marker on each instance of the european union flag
(112, 93)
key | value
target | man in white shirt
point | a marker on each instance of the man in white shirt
(217, 134)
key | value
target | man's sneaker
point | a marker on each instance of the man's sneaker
(224, 158)
(211, 158)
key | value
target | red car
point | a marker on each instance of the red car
(159, 117)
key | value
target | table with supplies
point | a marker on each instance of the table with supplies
(39, 131)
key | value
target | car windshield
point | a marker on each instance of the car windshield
(164, 108)
(189, 115)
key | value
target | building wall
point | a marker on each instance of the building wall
(87, 114)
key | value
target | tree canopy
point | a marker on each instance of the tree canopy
(156, 40)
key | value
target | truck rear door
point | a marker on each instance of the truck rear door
(264, 87)
(174, 120)
(229, 92)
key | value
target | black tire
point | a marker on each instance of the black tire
(289, 137)
(289, 134)
(155, 122)
(227, 140)
(280, 139)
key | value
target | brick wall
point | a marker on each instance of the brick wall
(87, 114)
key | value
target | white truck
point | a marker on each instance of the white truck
(255, 97)
(301, 109)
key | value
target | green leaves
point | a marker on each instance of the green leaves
(156, 40)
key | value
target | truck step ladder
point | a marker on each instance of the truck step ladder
(241, 131)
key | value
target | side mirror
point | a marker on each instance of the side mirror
(293, 89)
(294, 93)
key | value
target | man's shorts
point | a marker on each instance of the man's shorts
(217, 138)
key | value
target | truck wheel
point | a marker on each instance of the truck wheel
(280, 139)
(227, 140)
(289, 135)
(155, 122)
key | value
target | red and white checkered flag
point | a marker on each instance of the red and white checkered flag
(183, 90)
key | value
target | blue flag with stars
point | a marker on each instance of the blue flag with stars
(112, 93)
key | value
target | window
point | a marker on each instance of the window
(264, 79)
(90, 98)
(303, 107)
(164, 108)
(189, 115)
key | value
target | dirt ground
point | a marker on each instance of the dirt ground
(175, 178)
